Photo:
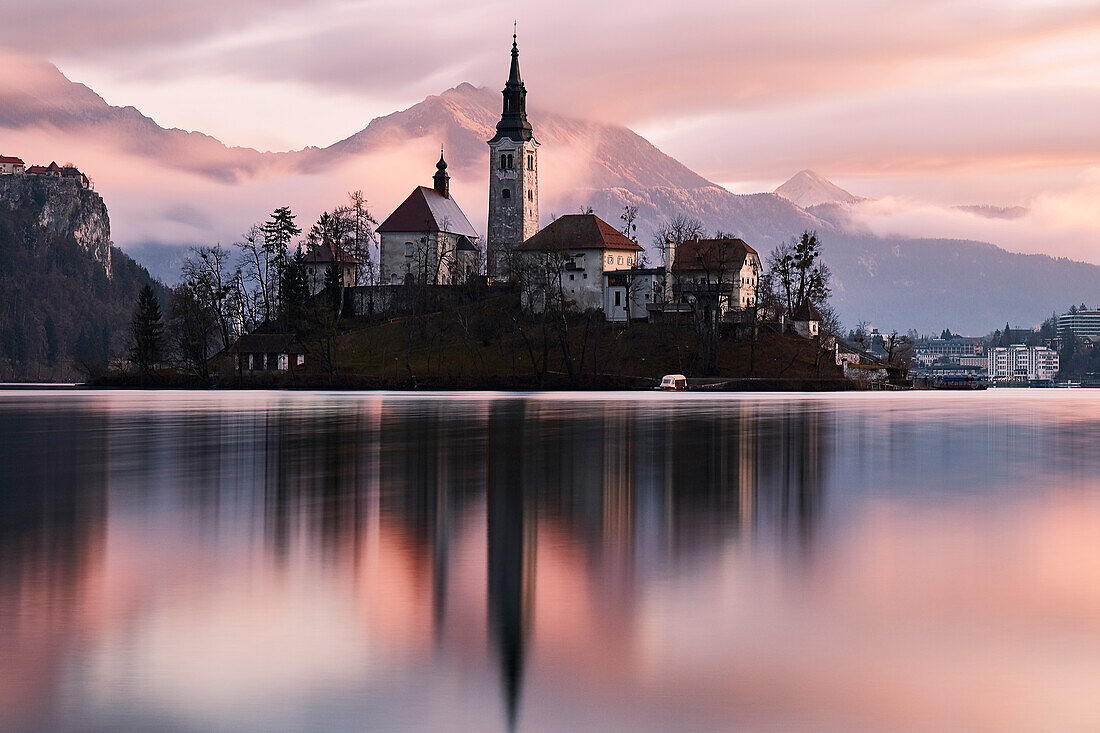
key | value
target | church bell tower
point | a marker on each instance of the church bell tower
(513, 176)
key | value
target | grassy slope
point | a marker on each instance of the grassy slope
(482, 345)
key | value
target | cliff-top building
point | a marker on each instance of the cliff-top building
(513, 177)
(10, 165)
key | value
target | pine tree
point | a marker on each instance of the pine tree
(334, 287)
(146, 331)
(293, 291)
(278, 232)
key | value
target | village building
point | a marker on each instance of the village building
(320, 257)
(575, 253)
(634, 294)
(806, 320)
(722, 271)
(11, 166)
(1020, 363)
(955, 350)
(427, 240)
(66, 172)
(268, 352)
(513, 177)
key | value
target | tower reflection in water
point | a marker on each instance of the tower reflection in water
(582, 502)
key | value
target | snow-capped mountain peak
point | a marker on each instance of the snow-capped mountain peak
(807, 188)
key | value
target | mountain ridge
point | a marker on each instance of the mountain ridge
(583, 164)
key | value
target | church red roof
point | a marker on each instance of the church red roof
(427, 210)
(713, 255)
(330, 253)
(579, 231)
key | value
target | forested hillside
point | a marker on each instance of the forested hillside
(66, 295)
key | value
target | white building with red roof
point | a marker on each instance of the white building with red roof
(579, 253)
(427, 239)
(11, 166)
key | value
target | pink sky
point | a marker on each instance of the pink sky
(997, 97)
(923, 104)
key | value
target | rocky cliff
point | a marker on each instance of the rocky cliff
(66, 295)
(60, 208)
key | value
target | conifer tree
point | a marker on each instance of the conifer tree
(146, 331)
(334, 287)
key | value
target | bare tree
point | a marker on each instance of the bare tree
(899, 349)
(632, 282)
(255, 285)
(798, 273)
(212, 281)
(192, 329)
(674, 232)
(716, 264)
(630, 229)
(363, 237)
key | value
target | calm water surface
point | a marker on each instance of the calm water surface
(395, 562)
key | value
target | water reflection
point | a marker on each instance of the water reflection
(328, 562)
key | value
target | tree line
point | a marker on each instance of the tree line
(262, 282)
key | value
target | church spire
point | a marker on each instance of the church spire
(514, 78)
(442, 178)
(513, 119)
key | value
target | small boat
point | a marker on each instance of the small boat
(673, 383)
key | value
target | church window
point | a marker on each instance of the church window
(503, 161)
(610, 260)
(530, 161)
(409, 249)
(620, 259)
(509, 161)
(506, 194)
(530, 195)
(618, 298)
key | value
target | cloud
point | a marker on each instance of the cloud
(922, 104)
(636, 63)
(1060, 224)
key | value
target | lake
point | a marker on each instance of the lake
(281, 561)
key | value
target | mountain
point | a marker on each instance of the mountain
(584, 164)
(35, 95)
(66, 295)
(807, 188)
(171, 188)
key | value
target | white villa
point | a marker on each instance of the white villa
(582, 249)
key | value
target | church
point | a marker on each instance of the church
(513, 178)
(427, 240)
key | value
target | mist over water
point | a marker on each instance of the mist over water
(335, 561)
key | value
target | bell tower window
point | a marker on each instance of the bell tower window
(530, 161)
(506, 194)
